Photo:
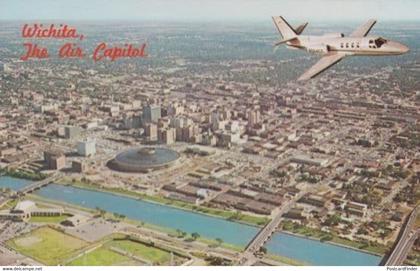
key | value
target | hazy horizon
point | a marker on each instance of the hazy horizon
(206, 10)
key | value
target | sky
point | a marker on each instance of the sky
(209, 10)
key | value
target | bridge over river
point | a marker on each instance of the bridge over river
(408, 235)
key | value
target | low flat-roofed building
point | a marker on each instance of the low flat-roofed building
(47, 212)
(356, 208)
(308, 160)
(24, 210)
(314, 200)
(7, 151)
(24, 206)
(295, 213)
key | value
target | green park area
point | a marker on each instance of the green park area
(101, 256)
(147, 253)
(47, 245)
(125, 252)
(303, 230)
(53, 247)
(9, 205)
(48, 219)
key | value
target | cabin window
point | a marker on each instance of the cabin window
(352, 45)
(347, 45)
(342, 45)
(357, 45)
(370, 41)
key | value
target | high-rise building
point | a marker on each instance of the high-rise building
(254, 117)
(167, 136)
(132, 122)
(175, 109)
(71, 132)
(151, 131)
(151, 113)
(209, 139)
(78, 166)
(54, 160)
(187, 133)
(86, 148)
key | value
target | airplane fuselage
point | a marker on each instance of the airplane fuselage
(366, 46)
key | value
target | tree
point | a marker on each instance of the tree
(214, 260)
(195, 235)
(100, 211)
(327, 237)
(219, 241)
(333, 220)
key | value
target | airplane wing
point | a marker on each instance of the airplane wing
(364, 29)
(324, 63)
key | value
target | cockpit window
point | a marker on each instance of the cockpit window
(379, 42)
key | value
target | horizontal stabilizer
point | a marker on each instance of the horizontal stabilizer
(284, 41)
(300, 28)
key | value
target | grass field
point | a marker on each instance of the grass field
(150, 254)
(106, 255)
(48, 219)
(101, 256)
(47, 245)
(9, 205)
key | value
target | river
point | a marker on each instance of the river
(302, 249)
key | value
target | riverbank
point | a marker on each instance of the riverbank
(331, 238)
(313, 252)
(334, 243)
(23, 174)
(137, 223)
(285, 260)
(218, 213)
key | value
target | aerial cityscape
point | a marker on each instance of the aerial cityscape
(208, 151)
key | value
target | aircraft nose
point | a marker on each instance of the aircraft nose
(401, 47)
(404, 49)
(398, 48)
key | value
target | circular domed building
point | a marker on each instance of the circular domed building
(143, 159)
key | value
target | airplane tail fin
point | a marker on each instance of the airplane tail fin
(284, 28)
